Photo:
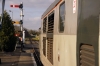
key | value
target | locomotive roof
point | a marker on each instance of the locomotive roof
(50, 7)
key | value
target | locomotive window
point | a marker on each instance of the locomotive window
(61, 17)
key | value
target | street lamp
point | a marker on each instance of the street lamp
(12, 14)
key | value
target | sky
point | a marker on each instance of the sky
(32, 10)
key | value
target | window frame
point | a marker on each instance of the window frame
(61, 30)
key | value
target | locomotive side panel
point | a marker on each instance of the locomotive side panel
(65, 42)
(88, 33)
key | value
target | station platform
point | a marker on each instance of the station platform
(18, 58)
(26, 57)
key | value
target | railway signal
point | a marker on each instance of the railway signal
(21, 22)
(15, 22)
(20, 6)
(17, 6)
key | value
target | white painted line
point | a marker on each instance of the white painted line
(33, 59)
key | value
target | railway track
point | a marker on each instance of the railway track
(36, 53)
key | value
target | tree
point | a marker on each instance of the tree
(33, 32)
(7, 38)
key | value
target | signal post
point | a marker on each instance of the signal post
(21, 21)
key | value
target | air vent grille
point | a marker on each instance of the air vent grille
(44, 25)
(50, 50)
(51, 23)
(87, 55)
(44, 46)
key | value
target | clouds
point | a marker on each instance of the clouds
(33, 10)
(33, 23)
(34, 20)
(32, 3)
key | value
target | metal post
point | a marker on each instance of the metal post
(3, 5)
(12, 14)
(21, 15)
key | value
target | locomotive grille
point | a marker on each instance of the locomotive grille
(87, 55)
(44, 25)
(50, 37)
(44, 46)
(50, 50)
(50, 23)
